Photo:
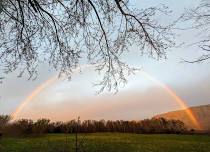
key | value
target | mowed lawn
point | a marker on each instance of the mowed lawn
(107, 142)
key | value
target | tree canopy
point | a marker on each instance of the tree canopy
(63, 32)
(199, 16)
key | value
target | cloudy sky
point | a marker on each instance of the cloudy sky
(140, 98)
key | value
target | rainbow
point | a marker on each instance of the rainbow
(54, 79)
(38, 90)
(179, 101)
(32, 95)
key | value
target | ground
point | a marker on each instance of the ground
(107, 142)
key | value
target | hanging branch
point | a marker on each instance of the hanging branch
(199, 18)
(62, 32)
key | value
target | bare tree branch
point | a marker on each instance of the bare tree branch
(62, 32)
(199, 17)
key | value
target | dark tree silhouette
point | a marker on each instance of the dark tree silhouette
(200, 18)
(61, 32)
(4, 119)
(42, 126)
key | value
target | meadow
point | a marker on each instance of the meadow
(107, 142)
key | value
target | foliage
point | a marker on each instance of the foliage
(41, 126)
(4, 119)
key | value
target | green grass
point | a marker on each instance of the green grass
(108, 142)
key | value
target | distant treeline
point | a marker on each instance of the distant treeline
(41, 126)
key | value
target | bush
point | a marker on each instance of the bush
(4, 121)
(41, 126)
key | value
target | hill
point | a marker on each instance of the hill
(202, 113)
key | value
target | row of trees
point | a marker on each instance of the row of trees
(26, 126)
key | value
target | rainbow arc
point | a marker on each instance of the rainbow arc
(54, 79)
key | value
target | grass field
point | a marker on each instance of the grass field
(108, 142)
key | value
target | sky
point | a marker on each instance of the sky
(140, 98)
